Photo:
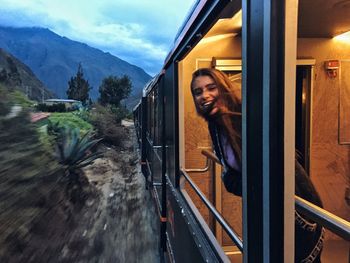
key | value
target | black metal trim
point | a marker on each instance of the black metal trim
(225, 225)
(164, 198)
(143, 134)
(176, 124)
(263, 130)
(252, 134)
(206, 15)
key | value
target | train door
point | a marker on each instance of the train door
(302, 114)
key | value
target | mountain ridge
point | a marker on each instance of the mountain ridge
(18, 76)
(54, 59)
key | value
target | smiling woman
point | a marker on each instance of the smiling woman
(205, 94)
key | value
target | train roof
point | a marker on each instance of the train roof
(136, 106)
(317, 19)
(151, 83)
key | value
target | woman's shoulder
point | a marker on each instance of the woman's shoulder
(304, 186)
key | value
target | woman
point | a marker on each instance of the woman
(215, 100)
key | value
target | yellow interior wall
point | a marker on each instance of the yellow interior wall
(329, 160)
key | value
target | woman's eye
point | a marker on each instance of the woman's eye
(197, 92)
(212, 87)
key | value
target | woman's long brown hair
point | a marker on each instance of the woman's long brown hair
(229, 116)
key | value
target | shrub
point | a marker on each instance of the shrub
(107, 126)
(120, 113)
(74, 150)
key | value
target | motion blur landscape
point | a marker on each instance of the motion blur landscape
(71, 189)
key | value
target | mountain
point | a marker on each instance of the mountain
(15, 74)
(54, 59)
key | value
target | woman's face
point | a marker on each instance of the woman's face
(206, 94)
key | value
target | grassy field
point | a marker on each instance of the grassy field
(72, 120)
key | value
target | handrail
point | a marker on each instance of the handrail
(199, 170)
(330, 221)
(211, 155)
(235, 238)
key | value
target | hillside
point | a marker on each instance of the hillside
(54, 60)
(15, 74)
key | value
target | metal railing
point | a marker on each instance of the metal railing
(200, 170)
(234, 236)
(328, 220)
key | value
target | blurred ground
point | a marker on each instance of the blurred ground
(122, 226)
(112, 220)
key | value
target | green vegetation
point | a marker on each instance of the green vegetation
(72, 120)
(83, 113)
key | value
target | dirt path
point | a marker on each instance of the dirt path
(122, 225)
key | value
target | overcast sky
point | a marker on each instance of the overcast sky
(140, 32)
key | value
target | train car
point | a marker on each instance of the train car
(290, 62)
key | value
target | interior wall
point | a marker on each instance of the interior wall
(329, 168)
(196, 130)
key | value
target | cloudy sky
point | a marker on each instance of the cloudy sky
(140, 32)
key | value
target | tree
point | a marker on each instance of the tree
(78, 87)
(114, 89)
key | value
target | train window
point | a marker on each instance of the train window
(220, 48)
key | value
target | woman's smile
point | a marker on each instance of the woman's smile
(206, 94)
